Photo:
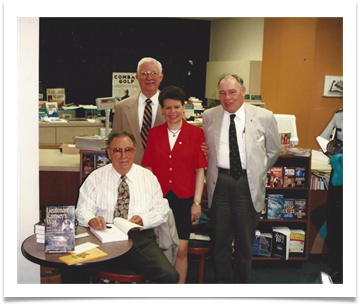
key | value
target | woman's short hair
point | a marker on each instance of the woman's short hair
(172, 92)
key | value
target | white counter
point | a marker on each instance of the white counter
(54, 160)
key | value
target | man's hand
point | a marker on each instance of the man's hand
(136, 220)
(98, 223)
(205, 148)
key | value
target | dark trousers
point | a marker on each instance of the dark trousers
(235, 218)
(147, 258)
(335, 225)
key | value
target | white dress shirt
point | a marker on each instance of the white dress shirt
(142, 104)
(223, 156)
(98, 196)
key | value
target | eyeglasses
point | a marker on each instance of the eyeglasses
(145, 74)
(128, 151)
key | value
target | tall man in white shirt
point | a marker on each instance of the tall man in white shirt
(98, 197)
(237, 196)
(129, 112)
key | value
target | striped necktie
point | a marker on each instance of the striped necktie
(146, 122)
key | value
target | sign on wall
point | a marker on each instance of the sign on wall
(124, 85)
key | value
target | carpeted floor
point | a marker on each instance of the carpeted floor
(272, 272)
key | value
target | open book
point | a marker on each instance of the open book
(323, 143)
(116, 231)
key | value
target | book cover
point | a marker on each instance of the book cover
(268, 178)
(263, 215)
(52, 109)
(56, 95)
(88, 164)
(297, 241)
(116, 231)
(288, 208)
(265, 244)
(101, 160)
(281, 242)
(59, 228)
(285, 140)
(300, 208)
(300, 177)
(289, 177)
(276, 176)
(275, 206)
(256, 244)
(75, 258)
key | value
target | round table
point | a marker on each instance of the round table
(76, 273)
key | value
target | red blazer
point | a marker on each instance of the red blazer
(175, 169)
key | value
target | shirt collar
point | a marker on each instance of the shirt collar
(239, 113)
(117, 176)
(154, 98)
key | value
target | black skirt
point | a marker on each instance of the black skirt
(181, 208)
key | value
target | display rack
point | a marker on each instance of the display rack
(291, 192)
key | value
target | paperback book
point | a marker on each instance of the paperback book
(281, 242)
(276, 177)
(300, 208)
(59, 229)
(268, 178)
(256, 244)
(288, 208)
(275, 206)
(265, 244)
(75, 258)
(39, 229)
(300, 177)
(116, 231)
(285, 140)
(297, 241)
(289, 177)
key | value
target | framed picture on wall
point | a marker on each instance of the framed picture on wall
(333, 86)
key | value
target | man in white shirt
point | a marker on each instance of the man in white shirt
(129, 112)
(98, 197)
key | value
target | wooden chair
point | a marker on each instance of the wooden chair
(119, 274)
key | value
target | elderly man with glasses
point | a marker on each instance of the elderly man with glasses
(130, 191)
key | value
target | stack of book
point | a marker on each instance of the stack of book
(39, 229)
(95, 143)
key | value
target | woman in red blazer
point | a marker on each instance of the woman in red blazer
(173, 153)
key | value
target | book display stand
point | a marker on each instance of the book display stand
(299, 191)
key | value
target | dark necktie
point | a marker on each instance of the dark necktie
(235, 162)
(146, 122)
(122, 205)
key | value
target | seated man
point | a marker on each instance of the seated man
(144, 205)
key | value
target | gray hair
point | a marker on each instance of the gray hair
(119, 134)
(238, 79)
(149, 59)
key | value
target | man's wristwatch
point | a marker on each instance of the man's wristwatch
(196, 203)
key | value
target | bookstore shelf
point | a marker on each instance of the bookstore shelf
(300, 190)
